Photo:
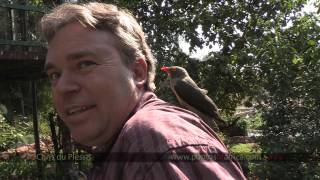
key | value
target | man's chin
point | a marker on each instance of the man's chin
(83, 140)
(83, 147)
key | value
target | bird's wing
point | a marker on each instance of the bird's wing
(189, 92)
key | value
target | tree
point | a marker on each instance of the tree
(264, 61)
(291, 81)
(234, 25)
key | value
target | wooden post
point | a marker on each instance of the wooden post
(67, 147)
(55, 142)
(36, 127)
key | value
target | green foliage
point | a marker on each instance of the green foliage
(254, 121)
(12, 136)
(21, 133)
(244, 148)
(44, 128)
(44, 98)
(247, 155)
(285, 170)
(18, 168)
(237, 127)
(292, 93)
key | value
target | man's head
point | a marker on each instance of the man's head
(98, 65)
(106, 17)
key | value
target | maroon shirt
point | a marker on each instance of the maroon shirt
(162, 141)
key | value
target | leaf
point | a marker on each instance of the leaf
(311, 42)
(297, 60)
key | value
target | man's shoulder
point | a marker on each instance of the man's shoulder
(162, 127)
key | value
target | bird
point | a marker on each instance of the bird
(193, 98)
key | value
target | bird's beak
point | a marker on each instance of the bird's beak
(165, 69)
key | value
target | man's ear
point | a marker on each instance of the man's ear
(140, 71)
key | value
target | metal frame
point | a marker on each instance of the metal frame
(21, 43)
(25, 7)
(33, 81)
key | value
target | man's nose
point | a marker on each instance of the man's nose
(67, 84)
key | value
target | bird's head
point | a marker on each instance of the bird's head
(175, 71)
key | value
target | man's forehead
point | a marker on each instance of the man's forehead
(74, 41)
(51, 62)
(81, 32)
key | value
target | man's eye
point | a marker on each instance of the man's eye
(53, 76)
(85, 64)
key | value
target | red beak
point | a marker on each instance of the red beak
(165, 69)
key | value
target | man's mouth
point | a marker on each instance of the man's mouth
(78, 109)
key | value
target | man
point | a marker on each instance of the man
(102, 73)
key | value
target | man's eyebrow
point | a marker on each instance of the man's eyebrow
(71, 57)
(48, 66)
(79, 54)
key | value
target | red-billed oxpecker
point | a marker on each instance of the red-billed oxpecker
(193, 98)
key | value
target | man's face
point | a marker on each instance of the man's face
(93, 91)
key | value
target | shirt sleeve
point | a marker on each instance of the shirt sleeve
(186, 163)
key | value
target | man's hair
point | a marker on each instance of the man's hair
(106, 17)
